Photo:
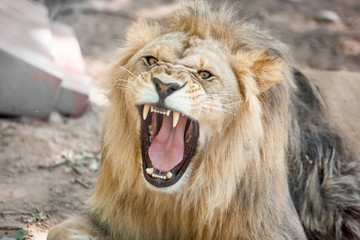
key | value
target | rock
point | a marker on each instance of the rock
(56, 118)
(327, 16)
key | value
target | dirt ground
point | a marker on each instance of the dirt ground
(48, 168)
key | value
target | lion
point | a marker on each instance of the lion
(212, 133)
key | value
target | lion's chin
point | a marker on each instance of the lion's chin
(168, 143)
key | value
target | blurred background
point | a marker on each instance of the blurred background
(53, 54)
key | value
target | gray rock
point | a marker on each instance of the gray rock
(327, 16)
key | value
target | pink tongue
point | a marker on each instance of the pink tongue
(167, 147)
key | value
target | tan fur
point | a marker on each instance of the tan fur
(236, 186)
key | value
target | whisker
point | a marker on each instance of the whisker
(219, 98)
(220, 109)
(124, 80)
(122, 86)
(222, 94)
(204, 113)
(218, 104)
(117, 64)
(224, 104)
(214, 84)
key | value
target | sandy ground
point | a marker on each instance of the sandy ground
(47, 169)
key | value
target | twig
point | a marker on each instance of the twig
(75, 169)
(63, 161)
(9, 228)
(15, 213)
(82, 183)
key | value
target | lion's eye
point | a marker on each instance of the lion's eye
(150, 60)
(205, 74)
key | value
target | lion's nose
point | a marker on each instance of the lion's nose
(165, 89)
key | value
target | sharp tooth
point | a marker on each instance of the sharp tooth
(168, 113)
(188, 138)
(150, 171)
(151, 130)
(169, 175)
(152, 109)
(176, 116)
(146, 110)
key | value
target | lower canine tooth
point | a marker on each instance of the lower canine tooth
(150, 171)
(151, 130)
(168, 113)
(169, 175)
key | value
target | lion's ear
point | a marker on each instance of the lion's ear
(266, 69)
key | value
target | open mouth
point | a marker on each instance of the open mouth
(168, 142)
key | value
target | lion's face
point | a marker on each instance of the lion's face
(181, 91)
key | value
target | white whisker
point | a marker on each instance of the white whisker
(122, 86)
(124, 80)
(218, 104)
(223, 94)
(117, 64)
(231, 104)
(218, 98)
(219, 109)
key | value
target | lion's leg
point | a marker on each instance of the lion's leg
(75, 228)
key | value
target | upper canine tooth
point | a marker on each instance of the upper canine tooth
(146, 110)
(150, 171)
(176, 116)
(168, 112)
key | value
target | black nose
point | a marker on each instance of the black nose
(163, 89)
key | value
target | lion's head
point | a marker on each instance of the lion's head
(184, 86)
